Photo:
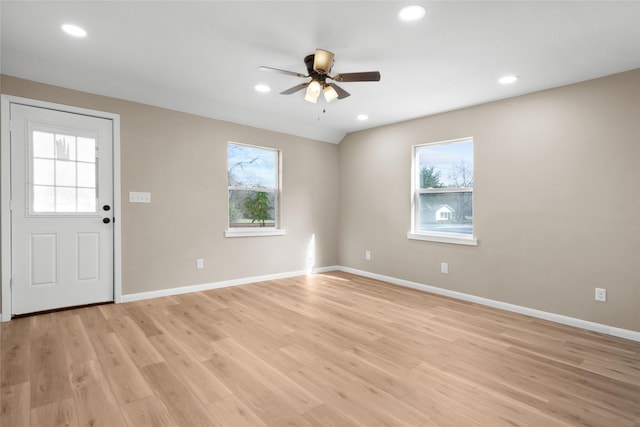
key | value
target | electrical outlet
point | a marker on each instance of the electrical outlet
(199, 263)
(444, 267)
(601, 294)
(367, 255)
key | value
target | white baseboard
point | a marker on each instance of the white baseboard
(558, 318)
(217, 285)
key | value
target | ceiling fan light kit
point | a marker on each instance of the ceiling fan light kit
(313, 91)
(319, 66)
(330, 93)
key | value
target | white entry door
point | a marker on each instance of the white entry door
(61, 209)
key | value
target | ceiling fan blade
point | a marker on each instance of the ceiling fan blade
(294, 89)
(277, 70)
(367, 76)
(341, 92)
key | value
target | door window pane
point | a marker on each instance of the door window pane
(43, 145)
(86, 175)
(43, 172)
(86, 200)
(63, 171)
(86, 150)
(65, 199)
(65, 147)
(43, 199)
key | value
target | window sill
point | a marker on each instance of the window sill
(254, 232)
(453, 238)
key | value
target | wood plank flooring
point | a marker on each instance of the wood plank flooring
(326, 350)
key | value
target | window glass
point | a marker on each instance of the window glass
(253, 176)
(63, 174)
(443, 193)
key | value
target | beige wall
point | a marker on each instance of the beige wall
(557, 209)
(181, 160)
(556, 202)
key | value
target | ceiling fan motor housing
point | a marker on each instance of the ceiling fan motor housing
(314, 74)
(319, 62)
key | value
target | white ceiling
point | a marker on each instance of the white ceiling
(202, 57)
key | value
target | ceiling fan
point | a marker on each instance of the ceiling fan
(318, 68)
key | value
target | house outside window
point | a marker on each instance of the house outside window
(442, 187)
(253, 175)
(444, 213)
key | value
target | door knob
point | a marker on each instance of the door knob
(106, 220)
(106, 208)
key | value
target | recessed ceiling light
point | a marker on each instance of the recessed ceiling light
(362, 117)
(411, 13)
(507, 80)
(74, 30)
(262, 88)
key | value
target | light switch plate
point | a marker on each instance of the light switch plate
(139, 197)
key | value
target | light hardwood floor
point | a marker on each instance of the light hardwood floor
(328, 350)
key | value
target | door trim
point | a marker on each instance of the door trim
(5, 193)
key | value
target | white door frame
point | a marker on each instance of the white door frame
(5, 193)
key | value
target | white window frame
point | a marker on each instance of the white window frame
(435, 236)
(258, 231)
